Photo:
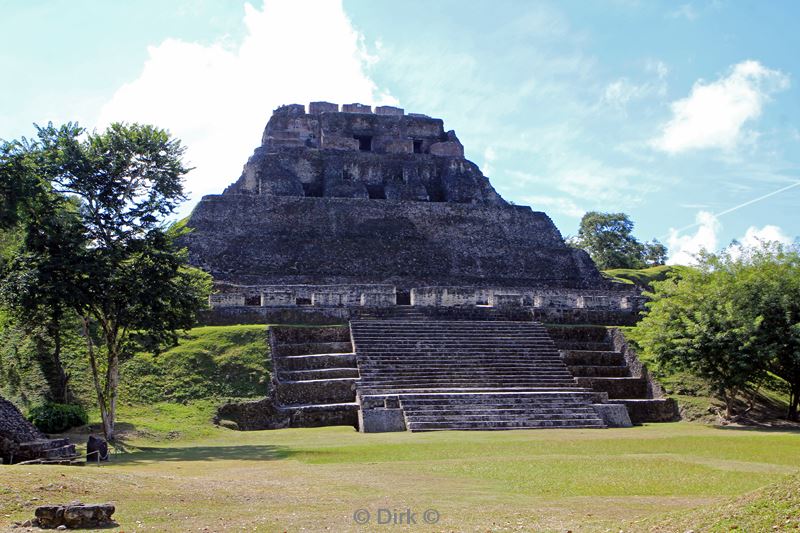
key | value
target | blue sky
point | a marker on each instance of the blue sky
(686, 116)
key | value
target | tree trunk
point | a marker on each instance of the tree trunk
(729, 401)
(106, 416)
(794, 400)
(60, 387)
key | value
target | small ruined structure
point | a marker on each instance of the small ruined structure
(20, 441)
(375, 219)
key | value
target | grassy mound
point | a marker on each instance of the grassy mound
(209, 362)
(774, 508)
(642, 278)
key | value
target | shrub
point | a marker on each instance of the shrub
(57, 417)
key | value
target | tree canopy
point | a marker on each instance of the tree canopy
(92, 211)
(609, 240)
(732, 321)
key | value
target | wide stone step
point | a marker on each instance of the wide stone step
(600, 371)
(490, 414)
(593, 357)
(617, 388)
(651, 409)
(432, 412)
(462, 372)
(319, 391)
(494, 392)
(324, 373)
(308, 348)
(385, 351)
(583, 345)
(504, 424)
(315, 361)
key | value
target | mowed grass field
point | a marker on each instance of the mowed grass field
(665, 477)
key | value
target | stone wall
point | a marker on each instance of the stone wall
(249, 240)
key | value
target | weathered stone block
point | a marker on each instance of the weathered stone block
(505, 300)
(356, 108)
(447, 149)
(337, 142)
(225, 300)
(315, 108)
(389, 110)
(613, 415)
(381, 420)
(75, 515)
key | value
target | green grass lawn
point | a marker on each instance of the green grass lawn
(179, 473)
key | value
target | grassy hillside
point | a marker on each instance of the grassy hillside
(208, 363)
(642, 278)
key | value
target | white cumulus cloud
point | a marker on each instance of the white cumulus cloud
(714, 114)
(755, 237)
(217, 98)
(684, 248)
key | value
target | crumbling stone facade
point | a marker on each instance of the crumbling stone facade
(349, 207)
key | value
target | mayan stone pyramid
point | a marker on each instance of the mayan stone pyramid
(353, 196)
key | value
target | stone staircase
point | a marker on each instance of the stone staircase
(601, 361)
(468, 375)
(314, 372)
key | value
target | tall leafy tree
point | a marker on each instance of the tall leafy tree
(609, 240)
(731, 321)
(111, 260)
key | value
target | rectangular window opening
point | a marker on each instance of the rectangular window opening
(417, 146)
(364, 142)
(302, 301)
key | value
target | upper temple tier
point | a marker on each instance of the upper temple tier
(355, 196)
(356, 153)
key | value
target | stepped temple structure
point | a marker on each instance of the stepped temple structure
(375, 219)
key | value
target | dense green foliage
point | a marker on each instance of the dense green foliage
(734, 321)
(91, 209)
(57, 417)
(608, 239)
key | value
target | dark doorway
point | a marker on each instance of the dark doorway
(417, 147)
(312, 189)
(253, 300)
(302, 301)
(364, 142)
(403, 297)
(376, 192)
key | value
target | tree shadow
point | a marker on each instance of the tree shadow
(256, 452)
(789, 427)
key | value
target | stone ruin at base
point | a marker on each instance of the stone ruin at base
(377, 219)
(21, 442)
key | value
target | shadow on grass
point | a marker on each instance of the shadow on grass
(257, 452)
(788, 428)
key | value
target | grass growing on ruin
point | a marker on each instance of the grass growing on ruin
(181, 473)
(642, 277)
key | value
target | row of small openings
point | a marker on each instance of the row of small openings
(365, 143)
